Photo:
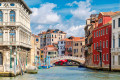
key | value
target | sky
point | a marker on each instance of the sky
(67, 15)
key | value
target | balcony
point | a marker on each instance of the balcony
(14, 24)
(7, 43)
(115, 50)
(99, 49)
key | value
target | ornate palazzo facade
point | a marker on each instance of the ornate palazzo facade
(15, 35)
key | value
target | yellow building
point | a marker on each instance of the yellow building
(35, 50)
(41, 54)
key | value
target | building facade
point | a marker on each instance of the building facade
(35, 50)
(102, 41)
(91, 23)
(61, 47)
(51, 36)
(42, 54)
(50, 51)
(115, 48)
(15, 34)
(74, 46)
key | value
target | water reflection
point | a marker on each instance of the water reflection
(67, 73)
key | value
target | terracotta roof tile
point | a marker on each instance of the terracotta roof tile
(109, 13)
(51, 31)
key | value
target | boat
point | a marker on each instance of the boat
(32, 70)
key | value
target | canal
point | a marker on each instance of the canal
(68, 73)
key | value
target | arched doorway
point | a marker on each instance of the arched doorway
(1, 59)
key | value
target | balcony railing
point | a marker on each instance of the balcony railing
(14, 24)
(99, 49)
(8, 43)
(115, 50)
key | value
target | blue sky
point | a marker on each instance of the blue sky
(66, 15)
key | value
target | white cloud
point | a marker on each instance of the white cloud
(83, 11)
(39, 27)
(76, 31)
(45, 14)
(47, 18)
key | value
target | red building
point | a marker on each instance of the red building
(102, 40)
(68, 47)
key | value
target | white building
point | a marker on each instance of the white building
(15, 34)
(115, 46)
(61, 47)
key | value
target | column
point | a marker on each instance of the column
(3, 35)
(8, 35)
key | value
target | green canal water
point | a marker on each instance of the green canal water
(68, 73)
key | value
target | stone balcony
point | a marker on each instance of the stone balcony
(7, 43)
(115, 49)
(14, 24)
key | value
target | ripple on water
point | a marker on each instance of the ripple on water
(68, 73)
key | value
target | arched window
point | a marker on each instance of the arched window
(1, 16)
(12, 36)
(1, 59)
(1, 35)
(12, 16)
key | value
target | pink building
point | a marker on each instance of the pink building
(51, 51)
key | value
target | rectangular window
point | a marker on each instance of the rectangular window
(94, 34)
(113, 24)
(103, 31)
(106, 30)
(119, 59)
(94, 57)
(100, 44)
(99, 33)
(94, 46)
(107, 44)
(97, 44)
(100, 20)
(119, 41)
(113, 43)
(118, 22)
(113, 60)
(107, 57)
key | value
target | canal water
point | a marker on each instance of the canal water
(68, 73)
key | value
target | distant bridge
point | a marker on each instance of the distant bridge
(76, 59)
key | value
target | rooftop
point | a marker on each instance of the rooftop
(52, 31)
(20, 1)
(72, 38)
(109, 13)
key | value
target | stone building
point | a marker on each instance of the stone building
(74, 46)
(35, 50)
(115, 46)
(61, 47)
(51, 51)
(15, 35)
(51, 36)
(91, 23)
(102, 41)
